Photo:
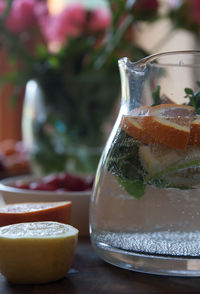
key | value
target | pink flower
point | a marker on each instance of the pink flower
(72, 20)
(100, 20)
(69, 22)
(2, 6)
(146, 5)
(21, 16)
(194, 11)
(48, 27)
(40, 9)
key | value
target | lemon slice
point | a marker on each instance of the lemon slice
(36, 252)
(195, 132)
(159, 159)
(179, 168)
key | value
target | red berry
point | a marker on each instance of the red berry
(72, 182)
(77, 184)
(61, 182)
(21, 186)
(39, 186)
(90, 182)
(52, 180)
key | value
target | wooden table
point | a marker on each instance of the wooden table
(91, 275)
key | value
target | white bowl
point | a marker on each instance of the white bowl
(80, 200)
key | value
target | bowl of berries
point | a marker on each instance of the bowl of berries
(50, 188)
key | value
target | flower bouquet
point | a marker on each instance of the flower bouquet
(71, 59)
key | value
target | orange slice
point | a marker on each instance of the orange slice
(132, 124)
(169, 124)
(34, 212)
(195, 132)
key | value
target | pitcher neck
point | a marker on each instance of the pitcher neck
(132, 77)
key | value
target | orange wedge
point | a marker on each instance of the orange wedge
(195, 132)
(169, 124)
(132, 124)
(34, 212)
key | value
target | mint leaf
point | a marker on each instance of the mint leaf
(194, 97)
(133, 188)
(156, 96)
(124, 163)
(189, 91)
(123, 159)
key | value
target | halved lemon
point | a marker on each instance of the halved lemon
(36, 252)
(169, 124)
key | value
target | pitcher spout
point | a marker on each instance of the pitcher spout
(126, 64)
(132, 75)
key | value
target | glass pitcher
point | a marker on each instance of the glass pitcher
(145, 208)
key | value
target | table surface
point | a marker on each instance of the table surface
(89, 274)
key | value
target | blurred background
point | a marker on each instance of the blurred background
(59, 79)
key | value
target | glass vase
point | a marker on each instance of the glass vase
(64, 121)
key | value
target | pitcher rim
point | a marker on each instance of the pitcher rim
(141, 64)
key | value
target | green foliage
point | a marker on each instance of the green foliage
(75, 51)
(156, 96)
(134, 188)
(194, 98)
(181, 16)
(123, 161)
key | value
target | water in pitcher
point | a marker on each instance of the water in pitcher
(161, 221)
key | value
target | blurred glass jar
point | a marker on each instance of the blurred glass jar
(64, 127)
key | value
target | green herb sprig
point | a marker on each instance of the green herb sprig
(156, 96)
(123, 162)
(194, 97)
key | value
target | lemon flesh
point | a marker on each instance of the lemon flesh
(179, 168)
(37, 252)
(161, 159)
